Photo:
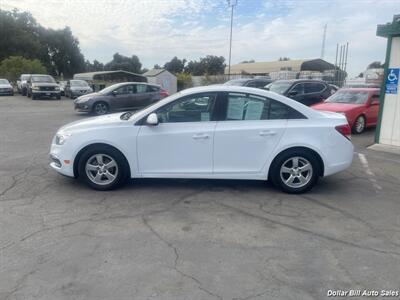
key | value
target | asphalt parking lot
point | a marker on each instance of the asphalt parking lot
(187, 239)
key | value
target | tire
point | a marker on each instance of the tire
(93, 170)
(23, 92)
(359, 125)
(100, 108)
(288, 177)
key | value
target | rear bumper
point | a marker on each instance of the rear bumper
(46, 93)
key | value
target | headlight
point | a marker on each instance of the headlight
(35, 88)
(57, 88)
(61, 138)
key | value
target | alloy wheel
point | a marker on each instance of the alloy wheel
(100, 108)
(296, 172)
(360, 124)
(101, 169)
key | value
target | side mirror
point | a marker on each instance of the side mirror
(114, 93)
(152, 119)
(292, 93)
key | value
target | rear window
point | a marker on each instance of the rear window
(350, 97)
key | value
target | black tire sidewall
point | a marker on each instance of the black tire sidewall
(116, 155)
(276, 166)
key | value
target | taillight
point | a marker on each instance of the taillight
(344, 130)
(163, 93)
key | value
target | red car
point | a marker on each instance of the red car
(359, 105)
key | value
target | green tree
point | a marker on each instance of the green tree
(375, 65)
(121, 62)
(93, 67)
(214, 65)
(195, 68)
(175, 65)
(184, 81)
(12, 67)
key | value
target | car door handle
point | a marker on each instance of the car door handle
(199, 136)
(267, 133)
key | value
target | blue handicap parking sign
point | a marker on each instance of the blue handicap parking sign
(392, 81)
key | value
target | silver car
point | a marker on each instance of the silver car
(76, 88)
(22, 84)
(6, 88)
(119, 97)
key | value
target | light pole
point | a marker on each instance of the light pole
(232, 4)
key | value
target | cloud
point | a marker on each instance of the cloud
(157, 30)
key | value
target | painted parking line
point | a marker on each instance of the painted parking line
(371, 175)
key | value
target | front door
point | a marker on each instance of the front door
(372, 109)
(121, 96)
(181, 144)
(251, 130)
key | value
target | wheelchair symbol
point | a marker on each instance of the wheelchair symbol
(392, 76)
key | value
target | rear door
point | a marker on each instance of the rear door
(250, 130)
(141, 97)
(314, 92)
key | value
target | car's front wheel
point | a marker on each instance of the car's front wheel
(103, 168)
(359, 125)
(100, 108)
(295, 171)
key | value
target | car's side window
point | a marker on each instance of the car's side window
(241, 107)
(246, 107)
(312, 87)
(299, 88)
(124, 90)
(141, 88)
(193, 108)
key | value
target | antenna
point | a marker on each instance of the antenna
(323, 42)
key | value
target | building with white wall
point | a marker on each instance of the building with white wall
(164, 78)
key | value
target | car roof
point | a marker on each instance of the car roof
(300, 80)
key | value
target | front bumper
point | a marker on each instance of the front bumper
(60, 162)
(83, 107)
(46, 93)
(6, 91)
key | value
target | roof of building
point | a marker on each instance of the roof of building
(295, 65)
(91, 75)
(155, 72)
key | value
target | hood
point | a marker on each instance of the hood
(5, 85)
(44, 84)
(93, 123)
(336, 107)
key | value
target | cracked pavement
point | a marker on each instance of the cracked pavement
(186, 239)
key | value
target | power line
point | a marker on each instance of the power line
(232, 4)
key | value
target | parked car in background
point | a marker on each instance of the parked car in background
(120, 96)
(22, 84)
(359, 105)
(42, 86)
(6, 88)
(234, 133)
(76, 88)
(249, 82)
(62, 85)
(307, 92)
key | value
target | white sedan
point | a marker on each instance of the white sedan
(214, 132)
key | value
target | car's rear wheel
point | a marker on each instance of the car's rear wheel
(103, 168)
(100, 108)
(295, 171)
(359, 125)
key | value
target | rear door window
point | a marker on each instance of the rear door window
(313, 87)
(299, 88)
(141, 88)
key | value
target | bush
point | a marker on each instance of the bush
(184, 81)
(12, 67)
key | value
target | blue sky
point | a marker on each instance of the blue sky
(264, 30)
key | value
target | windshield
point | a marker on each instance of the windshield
(4, 81)
(279, 87)
(81, 83)
(42, 78)
(351, 97)
(237, 82)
